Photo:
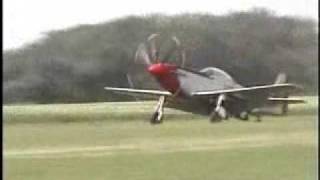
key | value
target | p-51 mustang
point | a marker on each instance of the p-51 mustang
(210, 91)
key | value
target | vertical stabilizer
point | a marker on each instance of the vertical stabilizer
(281, 78)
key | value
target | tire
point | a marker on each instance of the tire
(154, 118)
(214, 117)
(222, 113)
(244, 117)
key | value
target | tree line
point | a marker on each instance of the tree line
(73, 65)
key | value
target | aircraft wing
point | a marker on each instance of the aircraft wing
(135, 92)
(286, 100)
(251, 91)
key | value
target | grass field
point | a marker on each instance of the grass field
(116, 141)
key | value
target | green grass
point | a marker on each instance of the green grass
(115, 141)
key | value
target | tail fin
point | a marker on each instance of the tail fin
(281, 78)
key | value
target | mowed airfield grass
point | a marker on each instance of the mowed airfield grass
(116, 141)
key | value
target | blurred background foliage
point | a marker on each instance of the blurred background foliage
(73, 65)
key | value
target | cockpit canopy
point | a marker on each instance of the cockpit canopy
(216, 73)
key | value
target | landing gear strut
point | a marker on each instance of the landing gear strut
(219, 113)
(257, 113)
(157, 116)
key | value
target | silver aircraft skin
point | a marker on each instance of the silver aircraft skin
(210, 91)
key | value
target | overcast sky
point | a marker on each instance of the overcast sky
(26, 21)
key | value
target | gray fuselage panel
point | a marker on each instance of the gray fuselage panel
(212, 79)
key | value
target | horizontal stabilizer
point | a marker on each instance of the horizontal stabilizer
(281, 78)
(287, 100)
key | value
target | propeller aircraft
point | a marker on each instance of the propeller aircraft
(210, 91)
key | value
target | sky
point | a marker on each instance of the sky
(27, 21)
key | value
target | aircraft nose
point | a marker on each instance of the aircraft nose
(157, 69)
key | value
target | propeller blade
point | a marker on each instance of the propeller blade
(172, 49)
(130, 82)
(142, 56)
(153, 48)
(182, 58)
(177, 41)
(181, 52)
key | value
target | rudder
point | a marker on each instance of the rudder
(281, 78)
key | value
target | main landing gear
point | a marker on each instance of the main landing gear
(157, 116)
(245, 116)
(219, 112)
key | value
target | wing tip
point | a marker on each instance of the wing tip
(107, 88)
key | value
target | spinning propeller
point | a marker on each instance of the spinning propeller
(148, 54)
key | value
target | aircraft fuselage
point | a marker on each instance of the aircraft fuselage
(182, 82)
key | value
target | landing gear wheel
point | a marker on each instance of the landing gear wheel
(244, 116)
(214, 117)
(156, 118)
(222, 113)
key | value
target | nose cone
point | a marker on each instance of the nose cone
(158, 69)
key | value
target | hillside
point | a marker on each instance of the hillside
(73, 65)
